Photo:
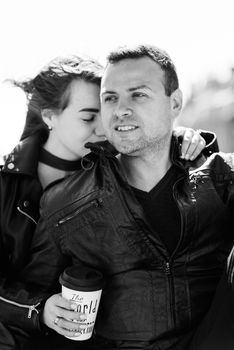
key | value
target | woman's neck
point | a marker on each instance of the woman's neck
(48, 174)
(51, 167)
(56, 162)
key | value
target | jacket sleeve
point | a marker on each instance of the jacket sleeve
(230, 260)
(230, 268)
(215, 332)
(22, 300)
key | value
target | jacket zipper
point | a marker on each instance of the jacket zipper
(169, 263)
(230, 267)
(195, 180)
(28, 216)
(95, 203)
(30, 308)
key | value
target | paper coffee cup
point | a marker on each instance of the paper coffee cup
(83, 286)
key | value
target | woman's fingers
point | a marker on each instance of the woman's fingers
(68, 328)
(59, 314)
(195, 148)
(192, 143)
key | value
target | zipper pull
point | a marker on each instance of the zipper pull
(196, 179)
(31, 309)
(168, 268)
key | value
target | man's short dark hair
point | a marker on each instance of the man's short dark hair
(158, 55)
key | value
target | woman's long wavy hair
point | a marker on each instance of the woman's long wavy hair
(50, 89)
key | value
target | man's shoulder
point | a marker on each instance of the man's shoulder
(219, 163)
(63, 193)
(222, 160)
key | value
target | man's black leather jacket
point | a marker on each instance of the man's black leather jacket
(92, 218)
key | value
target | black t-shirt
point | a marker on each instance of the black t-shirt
(161, 209)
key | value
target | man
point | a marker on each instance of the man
(155, 226)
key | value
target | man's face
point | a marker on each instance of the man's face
(136, 113)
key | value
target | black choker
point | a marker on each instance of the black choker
(58, 163)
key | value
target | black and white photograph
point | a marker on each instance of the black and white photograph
(116, 175)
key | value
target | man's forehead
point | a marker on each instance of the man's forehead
(126, 84)
(131, 73)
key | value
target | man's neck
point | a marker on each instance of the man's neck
(146, 170)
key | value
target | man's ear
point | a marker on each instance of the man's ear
(47, 116)
(176, 102)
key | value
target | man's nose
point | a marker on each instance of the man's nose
(122, 110)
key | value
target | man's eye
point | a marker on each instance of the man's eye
(110, 98)
(139, 94)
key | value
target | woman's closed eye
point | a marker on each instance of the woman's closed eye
(90, 118)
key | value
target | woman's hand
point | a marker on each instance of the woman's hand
(59, 315)
(192, 144)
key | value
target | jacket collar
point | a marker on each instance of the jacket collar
(105, 148)
(175, 150)
(183, 164)
(24, 157)
(102, 148)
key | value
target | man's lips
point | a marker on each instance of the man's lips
(125, 128)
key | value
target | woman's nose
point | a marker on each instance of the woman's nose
(99, 130)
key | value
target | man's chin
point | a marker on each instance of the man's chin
(127, 149)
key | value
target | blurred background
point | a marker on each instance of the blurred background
(198, 35)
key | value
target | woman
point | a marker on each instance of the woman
(63, 115)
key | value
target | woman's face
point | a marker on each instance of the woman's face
(78, 123)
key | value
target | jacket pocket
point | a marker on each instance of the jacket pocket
(71, 215)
